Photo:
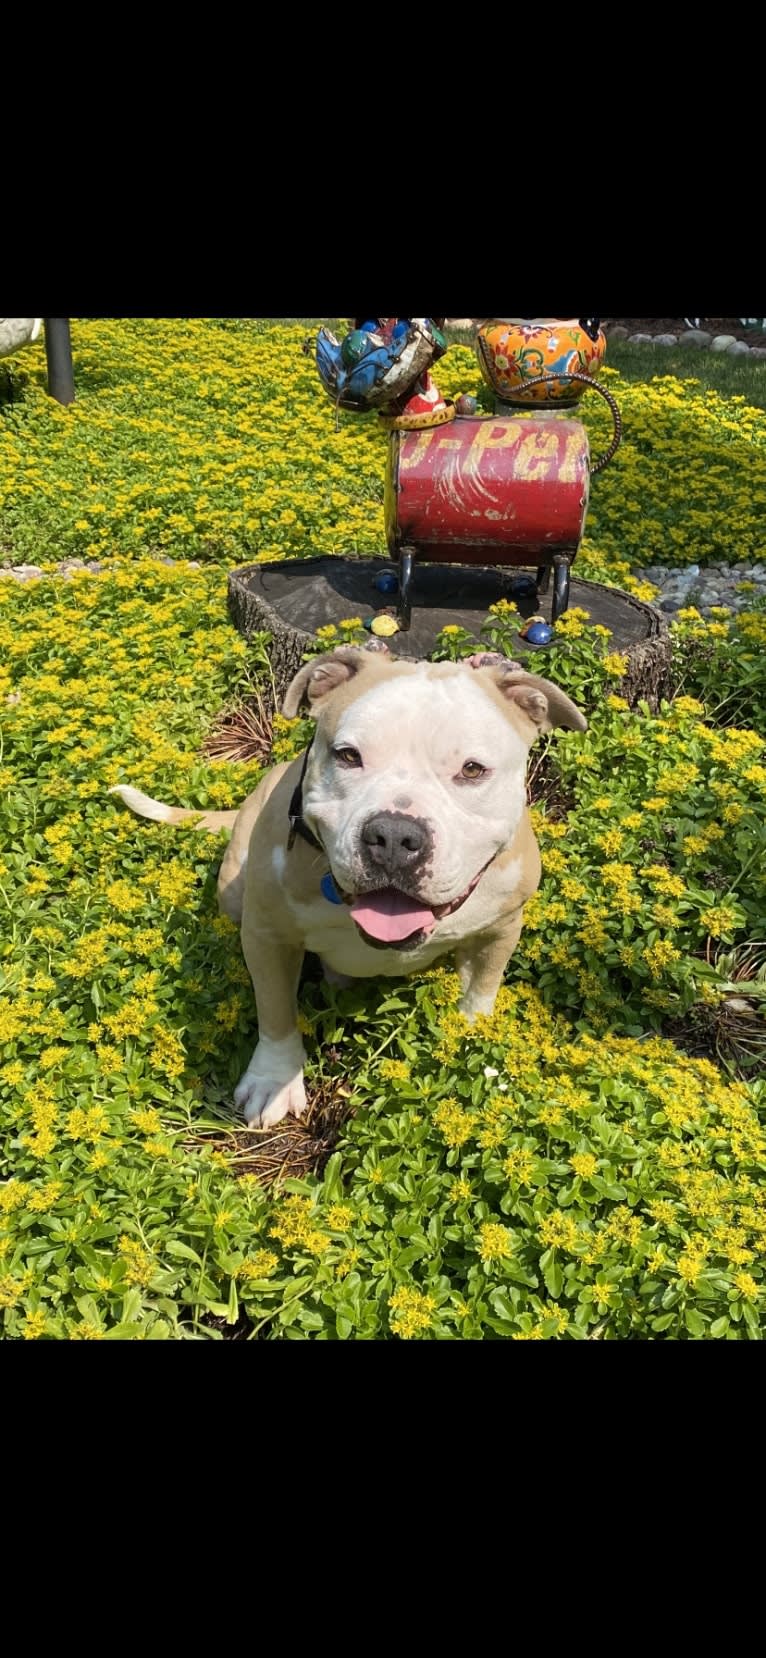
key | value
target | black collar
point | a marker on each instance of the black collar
(295, 813)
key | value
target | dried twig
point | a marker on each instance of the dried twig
(242, 733)
(293, 1149)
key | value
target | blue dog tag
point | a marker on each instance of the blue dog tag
(329, 889)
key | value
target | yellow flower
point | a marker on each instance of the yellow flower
(13, 1074)
(720, 920)
(584, 1164)
(139, 1266)
(689, 1267)
(559, 1231)
(124, 898)
(495, 1241)
(174, 886)
(294, 1225)
(573, 889)
(339, 1217)
(10, 1024)
(460, 1190)
(34, 1325)
(347, 1263)
(87, 1125)
(454, 1123)
(261, 1265)
(394, 1070)
(611, 842)
(411, 1312)
(167, 1054)
(519, 1165)
(12, 1289)
(661, 878)
(554, 861)
(147, 1121)
(44, 1197)
(12, 1196)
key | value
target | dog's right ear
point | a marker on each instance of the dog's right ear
(317, 678)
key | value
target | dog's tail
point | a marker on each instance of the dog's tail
(144, 806)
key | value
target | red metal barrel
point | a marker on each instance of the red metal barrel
(499, 490)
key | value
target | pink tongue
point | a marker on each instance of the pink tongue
(389, 915)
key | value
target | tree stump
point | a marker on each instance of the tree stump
(291, 598)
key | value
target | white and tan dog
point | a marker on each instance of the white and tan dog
(400, 835)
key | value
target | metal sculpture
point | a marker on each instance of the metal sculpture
(496, 489)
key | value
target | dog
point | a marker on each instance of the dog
(400, 835)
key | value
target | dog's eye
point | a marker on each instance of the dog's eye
(346, 756)
(473, 770)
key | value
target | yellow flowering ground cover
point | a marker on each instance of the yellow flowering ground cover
(562, 1170)
(213, 440)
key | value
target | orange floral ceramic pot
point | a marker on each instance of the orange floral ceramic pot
(512, 350)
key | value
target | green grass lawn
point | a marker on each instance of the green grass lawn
(715, 371)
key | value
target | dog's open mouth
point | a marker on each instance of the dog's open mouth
(389, 917)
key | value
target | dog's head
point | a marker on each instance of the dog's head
(417, 778)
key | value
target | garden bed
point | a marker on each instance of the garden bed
(561, 1170)
(291, 600)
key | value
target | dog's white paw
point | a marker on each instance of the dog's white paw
(272, 1085)
(266, 1102)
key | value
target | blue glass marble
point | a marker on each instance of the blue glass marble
(539, 634)
(386, 582)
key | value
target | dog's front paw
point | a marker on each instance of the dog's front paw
(265, 1102)
(474, 1006)
(272, 1085)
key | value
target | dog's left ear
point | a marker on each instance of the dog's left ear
(544, 704)
(324, 674)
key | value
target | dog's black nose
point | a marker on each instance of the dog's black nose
(395, 842)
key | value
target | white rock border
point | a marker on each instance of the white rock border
(80, 566)
(694, 339)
